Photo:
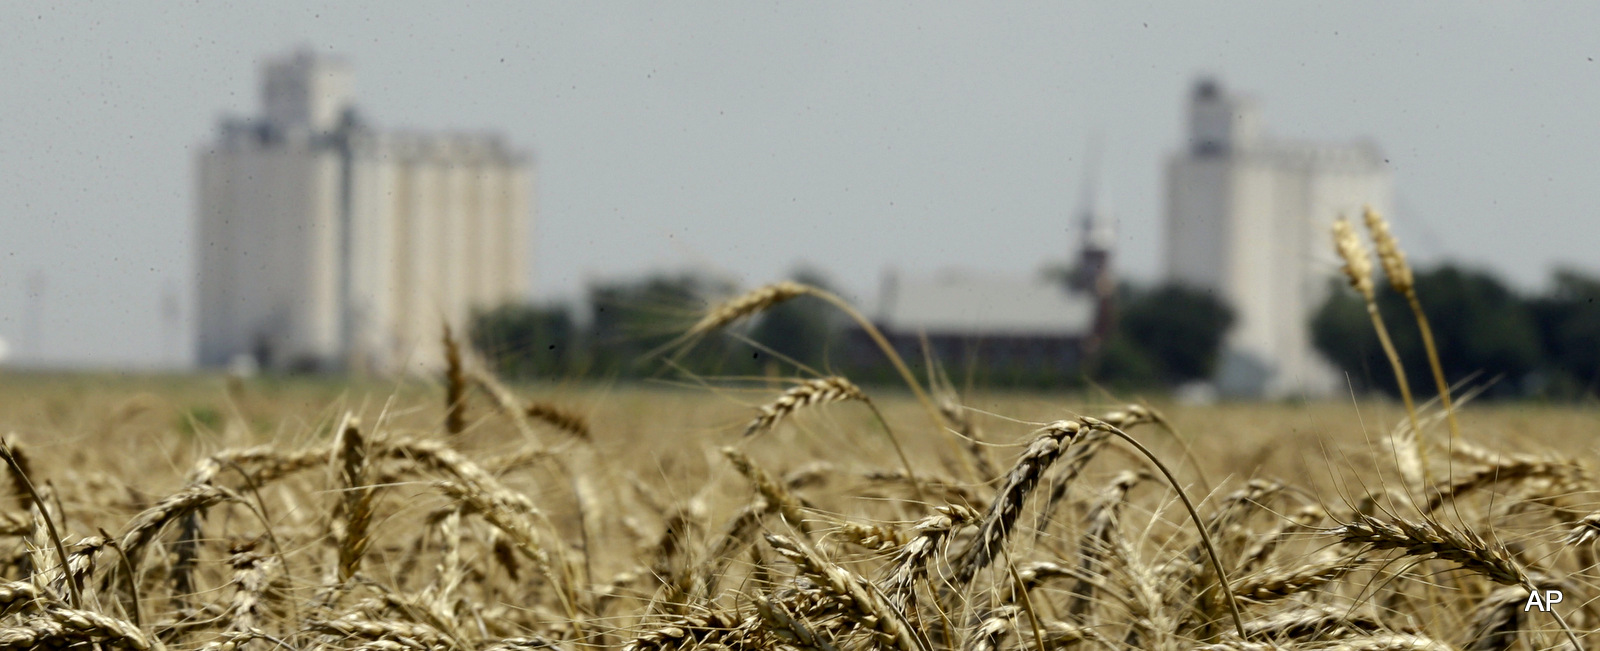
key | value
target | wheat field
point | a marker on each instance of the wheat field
(789, 513)
(213, 513)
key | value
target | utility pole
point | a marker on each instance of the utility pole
(171, 313)
(32, 334)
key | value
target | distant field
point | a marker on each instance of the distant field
(659, 528)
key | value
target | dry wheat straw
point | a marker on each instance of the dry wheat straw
(738, 533)
(42, 511)
(791, 628)
(512, 513)
(1082, 451)
(1259, 551)
(1429, 539)
(1273, 584)
(144, 527)
(19, 471)
(948, 489)
(911, 563)
(12, 524)
(520, 644)
(992, 631)
(1065, 635)
(1238, 505)
(252, 575)
(1586, 531)
(809, 475)
(81, 562)
(775, 493)
(765, 297)
(235, 640)
(1097, 540)
(1313, 622)
(826, 391)
(1001, 518)
(260, 464)
(16, 595)
(509, 515)
(358, 627)
(1389, 642)
(873, 537)
(1496, 622)
(704, 630)
(867, 609)
(957, 418)
(68, 628)
(1483, 477)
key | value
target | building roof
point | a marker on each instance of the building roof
(980, 305)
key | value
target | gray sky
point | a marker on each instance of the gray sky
(748, 137)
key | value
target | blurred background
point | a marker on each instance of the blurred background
(1048, 195)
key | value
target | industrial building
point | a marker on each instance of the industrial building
(1248, 217)
(326, 244)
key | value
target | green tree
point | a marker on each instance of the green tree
(1124, 364)
(1568, 321)
(1178, 329)
(1479, 324)
(630, 319)
(527, 341)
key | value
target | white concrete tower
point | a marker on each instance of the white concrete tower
(326, 244)
(1248, 218)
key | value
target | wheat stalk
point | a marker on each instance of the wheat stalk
(252, 574)
(69, 628)
(1313, 622)
(1358, 269)
(869, 610)
(357, 497)
(560, 418)
(1496, 621)
(748, 304)
(455, 385)
(808, 393)
(1428, 539)
(411, 635)
(911, 562)
(1098, 539)
(1278, 583)
(776, 494)
(1084, 450)
(1403, 282)
(997, 524)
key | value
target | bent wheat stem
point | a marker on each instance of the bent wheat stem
(1205, 538)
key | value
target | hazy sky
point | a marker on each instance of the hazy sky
(748, 137)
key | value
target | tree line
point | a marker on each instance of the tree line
(1164, 335)
(1511, 344)
(1545, 344)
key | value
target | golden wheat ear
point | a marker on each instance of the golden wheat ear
(731, 311)
(1403, 282)
(356, 498)
(455, 387)
(1358, 270)
(810, 392)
